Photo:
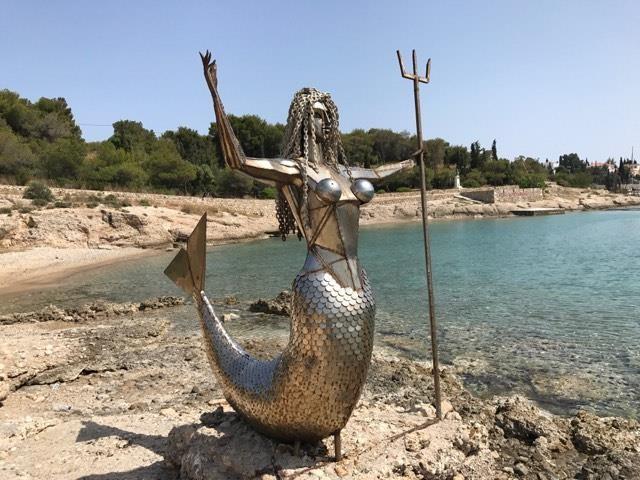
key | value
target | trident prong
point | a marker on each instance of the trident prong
(415, 75)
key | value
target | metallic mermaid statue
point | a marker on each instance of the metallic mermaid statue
(308, 391)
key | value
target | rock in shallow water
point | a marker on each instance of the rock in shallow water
(281, 305)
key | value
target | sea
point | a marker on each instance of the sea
(547, 307)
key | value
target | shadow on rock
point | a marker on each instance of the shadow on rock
(94, 431)
(155, 443)
(220, 446)
(223, 446)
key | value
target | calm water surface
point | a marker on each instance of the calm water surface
(544, 306)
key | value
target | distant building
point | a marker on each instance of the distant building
(611, 167)
(633, 188)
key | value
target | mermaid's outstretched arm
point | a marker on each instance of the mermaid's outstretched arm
(272, 170)
(383, 171)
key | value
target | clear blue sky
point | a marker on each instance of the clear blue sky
(542, 77)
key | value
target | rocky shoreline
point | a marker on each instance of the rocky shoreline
(83, 229)
(117, 392)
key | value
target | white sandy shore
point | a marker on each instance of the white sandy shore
(45, 266)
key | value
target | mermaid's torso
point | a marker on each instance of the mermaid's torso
(309, 391)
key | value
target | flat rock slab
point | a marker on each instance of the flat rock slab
(378, 442)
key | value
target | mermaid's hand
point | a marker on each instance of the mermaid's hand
(210, 70)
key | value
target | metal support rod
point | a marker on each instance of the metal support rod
(425, 222)
(337, 443)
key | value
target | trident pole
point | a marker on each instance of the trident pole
(417, 80)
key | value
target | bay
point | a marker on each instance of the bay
(548, 307)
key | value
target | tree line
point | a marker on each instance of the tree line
(41, 140)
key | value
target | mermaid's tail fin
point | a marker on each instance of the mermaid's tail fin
(187, 270)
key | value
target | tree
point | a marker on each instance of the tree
(459, 156)
(107, 165)
(358, 146)
(571, 163)
(193, 147)
(444, 178)
(494, 151)
(22, 119)
(435, 149)
(477, 155)
(527, 172)
(16, 159)
(48, 119)
(205, 181)
(256, 136)
(473, 179)
(58, 120)
(167, 169)
(390, 146)
(63, 159)
(130, 135)
(232, 183)
(496, 172)
(410, 178)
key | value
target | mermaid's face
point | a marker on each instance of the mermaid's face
(321, 121)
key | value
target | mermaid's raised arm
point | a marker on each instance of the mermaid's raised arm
(383, 171)
(271, 170)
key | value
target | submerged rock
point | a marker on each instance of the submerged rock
(281, 305)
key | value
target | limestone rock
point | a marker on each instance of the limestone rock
(594, 435)
(281, 305)
(91, 311)
(520, 419)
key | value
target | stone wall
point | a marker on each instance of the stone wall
(515, 194)
(508, 194)
(485, 195)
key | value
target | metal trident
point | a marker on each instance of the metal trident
(417, 80)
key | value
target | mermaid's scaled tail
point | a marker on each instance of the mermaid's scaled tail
(240, 375)
(187, 270)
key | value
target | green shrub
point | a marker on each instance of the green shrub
(115, 202)
(38, 191)
(110, 199)
(576, 180)
(444, 178)
(474, 179)
(61, 204)
(5, 210)
(144, 202)
(532, 180)
(39, 202)
(269, 193)
(234, 184)
(403, 189)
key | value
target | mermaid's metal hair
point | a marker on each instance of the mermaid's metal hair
(299, 137)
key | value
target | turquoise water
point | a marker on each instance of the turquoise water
(544, 306)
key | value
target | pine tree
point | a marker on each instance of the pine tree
(494, 150)
(475, 155)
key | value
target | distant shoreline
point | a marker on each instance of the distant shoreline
(42, 246)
